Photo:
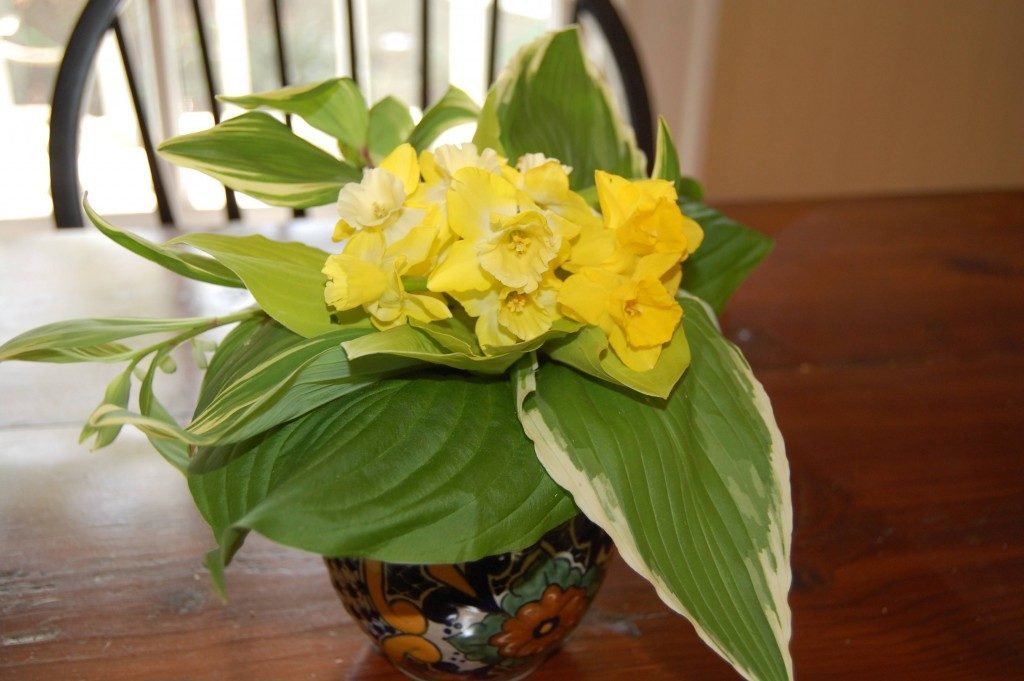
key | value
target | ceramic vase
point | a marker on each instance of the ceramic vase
(497, 618)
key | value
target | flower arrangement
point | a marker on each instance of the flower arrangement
(510, 332)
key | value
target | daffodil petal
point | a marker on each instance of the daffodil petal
(584, 295)
(475, 196)
(491, 333)
(428, 167)
(594, 248)
(672, 279)
(617, 197)
(528, 315)
(402, 163)
(637, 359)
(342, 231)
(655, 265)
(460, 271)
(694, 234)
(425, 308)
(352, 282)
(366, 245)
(416, 246)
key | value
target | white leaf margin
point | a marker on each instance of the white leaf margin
(594, 497)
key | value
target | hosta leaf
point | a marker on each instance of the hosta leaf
(390, 125)
(666, 165)
(335, 106)
(727, 256)
(283, 277)
(549, 100)
(387, 470)
(454, 108)
(258, 155)
(694, 490)
(290, 383)
(245, 346)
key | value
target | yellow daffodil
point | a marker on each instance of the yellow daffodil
(641, 217)
(506, 316)
(637, 313)
(443, 163)
(380, 200)
(546, 182)
(528, 162)
(505, 237)
(368, 273)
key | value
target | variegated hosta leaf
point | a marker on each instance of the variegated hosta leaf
(283, 277)
(191, 265)
(454, 108)
(549, 100)
(89, 340)
(335, 106)
(666, 165)
(260, 156)
(694, 490)
(277, 377)
(390, 125)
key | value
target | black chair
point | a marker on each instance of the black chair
(100, 16)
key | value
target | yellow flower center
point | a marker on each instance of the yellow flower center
(380, 211)
(518, 242)
(631, 308)
(516, 301)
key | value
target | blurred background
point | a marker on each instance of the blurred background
(788, 99)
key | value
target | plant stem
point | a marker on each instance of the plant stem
(415, 284)
(212, 323)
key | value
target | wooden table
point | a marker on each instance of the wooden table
(887, 331)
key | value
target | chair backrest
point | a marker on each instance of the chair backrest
(101, 16)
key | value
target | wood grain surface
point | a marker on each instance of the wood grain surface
(888, 333)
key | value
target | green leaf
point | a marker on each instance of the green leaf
(447, 344)
(191, 265)
(258, 155)
(248, 344)
(454, 108)
(116, 395)
(666, 165)
(390, 125)
(694, 491)
(283, 277)
(301, 377)
(174, 452)
(415, 343)
(387, 470)
(335, 106)
(728, 254)
(549, 100)
(89, 340)
(589, 352)
(276, 376)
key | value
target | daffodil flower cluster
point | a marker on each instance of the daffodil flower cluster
(514, 247)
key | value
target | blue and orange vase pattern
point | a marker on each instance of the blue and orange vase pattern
(496, 618)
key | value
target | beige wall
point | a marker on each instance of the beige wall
(808, 98)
